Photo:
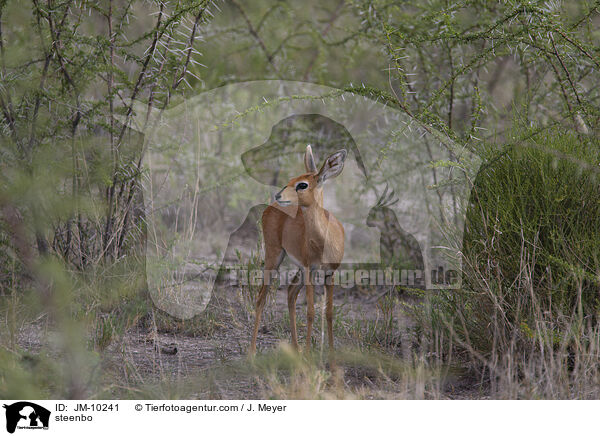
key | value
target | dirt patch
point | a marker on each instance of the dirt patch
(207, 357)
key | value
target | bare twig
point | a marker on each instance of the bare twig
(256, 36)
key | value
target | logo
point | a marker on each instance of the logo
(26, 415)
(401, 198)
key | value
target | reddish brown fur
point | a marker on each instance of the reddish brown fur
(310, 235)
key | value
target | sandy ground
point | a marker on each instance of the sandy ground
(155, 356)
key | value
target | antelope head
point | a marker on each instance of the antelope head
(378, 213)
(307, 190)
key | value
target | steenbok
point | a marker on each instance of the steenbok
(296, 224)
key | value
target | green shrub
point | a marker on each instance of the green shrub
(538, 203)
(531, 248)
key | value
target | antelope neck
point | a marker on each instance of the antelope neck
(315, 217)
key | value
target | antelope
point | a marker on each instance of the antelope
(397, 247)
(296, 224)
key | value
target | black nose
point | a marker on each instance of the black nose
(277, 196)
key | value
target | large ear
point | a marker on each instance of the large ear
(309, 160)
(333, 166)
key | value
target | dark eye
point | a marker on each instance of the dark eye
(302, 185)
